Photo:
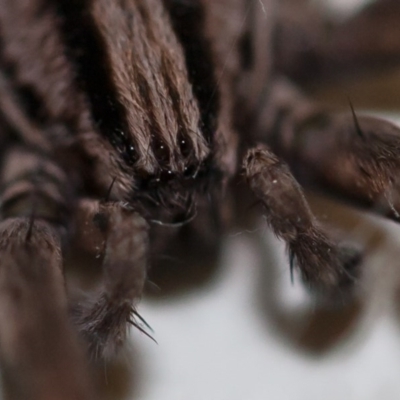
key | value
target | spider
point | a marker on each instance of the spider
(123, 118)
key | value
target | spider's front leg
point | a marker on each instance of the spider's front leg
(39, 353)
(121, 236)
(327, 267)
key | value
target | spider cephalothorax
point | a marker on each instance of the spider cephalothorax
(121, 115)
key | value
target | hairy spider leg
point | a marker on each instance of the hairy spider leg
(326, 266)
(332, 49)
(39, 351)
(123, 238)
(355, 158)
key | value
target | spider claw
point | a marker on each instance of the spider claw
(137, 326)
(136, 314)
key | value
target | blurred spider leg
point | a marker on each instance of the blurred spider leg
(367, 42)
(123, 235)
(39, 353)
(330, 49)
(327, 267)
(355, 158)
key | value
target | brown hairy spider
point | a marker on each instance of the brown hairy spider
(118, 116)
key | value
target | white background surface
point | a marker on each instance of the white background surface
(215, 344)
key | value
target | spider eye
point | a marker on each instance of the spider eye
(184, 147)
(166, 175)
(189, 171)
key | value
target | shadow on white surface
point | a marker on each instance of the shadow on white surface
(215, 344)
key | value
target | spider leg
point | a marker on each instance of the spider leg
(122, 234)
(326, 266)
(39, 352)
(355, 158)
(331, 49)
(364, 43)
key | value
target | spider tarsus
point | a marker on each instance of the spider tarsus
(103, 323)
(328, 268)
(324, 265)
(103, 320)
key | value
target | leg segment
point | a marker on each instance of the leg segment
(311, 46)
(368, 42)
(121, 236)
(324, 265)
(356, 159)
(39, 353)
